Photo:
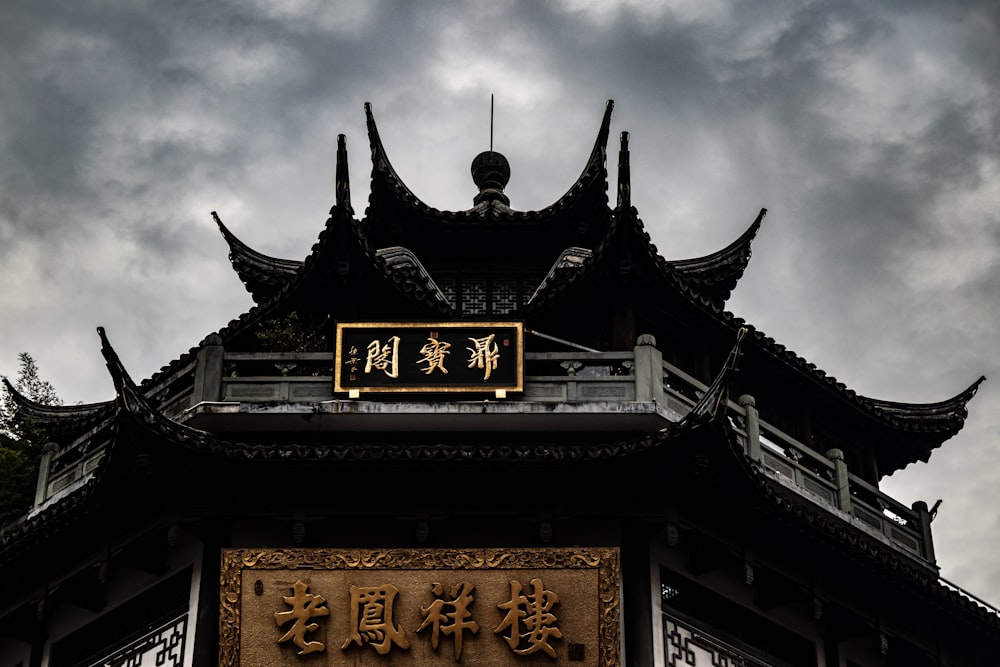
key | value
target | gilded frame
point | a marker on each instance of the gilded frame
(517, 386)
(605, 560)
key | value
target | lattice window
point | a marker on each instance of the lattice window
(485, 290)
(702, 628)
(474, 298)
(163, 647)
(148, 630)
(448, 289)
(685, 646)
(505, 296)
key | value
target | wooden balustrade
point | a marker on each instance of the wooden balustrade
(637, 375)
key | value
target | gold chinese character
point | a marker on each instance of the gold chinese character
(434, 352)
(482, 356)
(436, 617)
(371, 619)
(303, 607)
(534, 611)
(383, 357)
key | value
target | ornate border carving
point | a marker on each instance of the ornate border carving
(604, 559)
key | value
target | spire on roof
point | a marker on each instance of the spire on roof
(343, 185)
(491, 173)
(624, 175)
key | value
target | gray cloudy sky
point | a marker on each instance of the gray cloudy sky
(871, 132)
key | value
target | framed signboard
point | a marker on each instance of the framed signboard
(429, 357)
(427, 607)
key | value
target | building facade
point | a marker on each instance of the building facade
(485, 437)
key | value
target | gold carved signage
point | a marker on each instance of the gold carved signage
(429, 357)
(502, 607)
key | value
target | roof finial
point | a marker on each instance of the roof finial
(491, 172)
(343, 181)
(624, 175)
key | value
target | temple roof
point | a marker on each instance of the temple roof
(262, 275)
(577, 241)
(59, 422)
(708, 280)
(360, 252)
(943, 416)
(390, 193)
(715, 275)
(397, 222)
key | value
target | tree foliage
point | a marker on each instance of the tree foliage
(21, 442)
(291, 333)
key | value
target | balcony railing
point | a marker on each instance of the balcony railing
(637, 376)
(825, 479)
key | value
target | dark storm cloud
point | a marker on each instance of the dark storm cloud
(870, 131)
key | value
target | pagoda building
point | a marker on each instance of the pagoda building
(487, 436)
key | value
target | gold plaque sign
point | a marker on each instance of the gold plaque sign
(410, 608)
(429, 357)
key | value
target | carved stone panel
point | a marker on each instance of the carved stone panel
(504, 607)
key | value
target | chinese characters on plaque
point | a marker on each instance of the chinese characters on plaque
(304, 607)
(528, 627)
(420, 608)
(429, 357)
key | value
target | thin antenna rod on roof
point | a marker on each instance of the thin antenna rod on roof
(491, 122)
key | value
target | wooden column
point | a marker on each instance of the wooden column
(42, 486)
(841, 479)
(208, 371)
(648, 370)
(924, 517)
(748, 404)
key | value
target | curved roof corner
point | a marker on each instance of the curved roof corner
(58, 421)
(592, 182)
(715, 276)
(262, 275)
(944, 417)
